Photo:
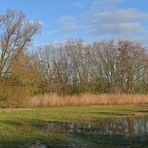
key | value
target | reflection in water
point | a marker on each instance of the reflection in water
(96, 134)
(127, 126)
(38, 145)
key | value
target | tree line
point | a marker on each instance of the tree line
(70, 67)
(100, 67)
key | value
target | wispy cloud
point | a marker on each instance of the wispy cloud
(78, 4)
(116, 29)
(120, 22)
(120, 15)
(68, 24)
(103, 22)
(104, 4)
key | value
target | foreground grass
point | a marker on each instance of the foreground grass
(62, 114)
(19, 127)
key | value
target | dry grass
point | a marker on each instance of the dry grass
(85, 99)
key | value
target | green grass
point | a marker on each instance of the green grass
(24, 126)
(72, 113)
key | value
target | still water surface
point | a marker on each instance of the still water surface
(94, 134)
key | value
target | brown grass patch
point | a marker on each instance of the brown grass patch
(26, 128)
(54, 99)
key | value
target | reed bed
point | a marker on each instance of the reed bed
(54, 99)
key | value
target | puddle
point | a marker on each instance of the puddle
(38, 144)
(121, 131)
(126, 126)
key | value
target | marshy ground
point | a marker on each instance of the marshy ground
(88, 126)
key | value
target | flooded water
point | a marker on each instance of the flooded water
(134, 126)
(127, 127)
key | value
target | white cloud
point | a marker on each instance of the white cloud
(117, 22)
(54, 31)
(102, 4)
(68, 24)
(120, 15)
(78, 4)
(117, 29)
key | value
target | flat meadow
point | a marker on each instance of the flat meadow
(23, 127)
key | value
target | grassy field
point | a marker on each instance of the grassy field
(20, 127)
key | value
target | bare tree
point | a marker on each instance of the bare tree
(16, 33)
(105, 66)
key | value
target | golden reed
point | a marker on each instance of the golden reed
(54, 99)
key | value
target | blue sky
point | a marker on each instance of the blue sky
(87, 19)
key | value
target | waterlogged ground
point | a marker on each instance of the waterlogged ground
(90, 127)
